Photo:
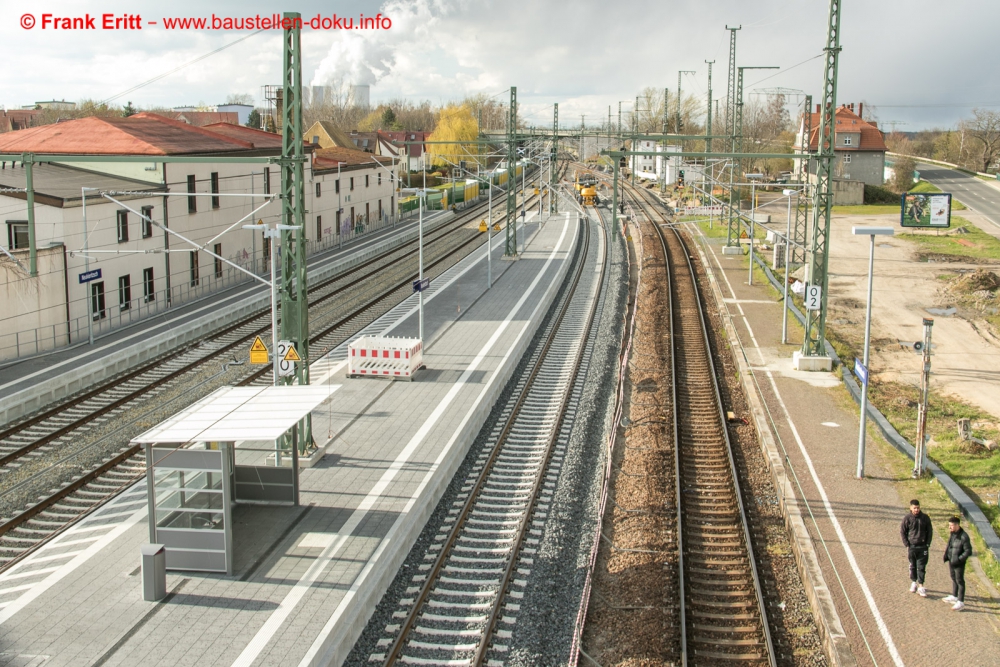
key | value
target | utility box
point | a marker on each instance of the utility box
(154, 572)
(778, 256)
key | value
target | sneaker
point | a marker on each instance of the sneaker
(949, 598)
(913, 587)
(959, 606)
(922, 592)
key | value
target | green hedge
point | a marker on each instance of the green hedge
(876, 194)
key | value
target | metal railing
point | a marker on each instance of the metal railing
(118, 315)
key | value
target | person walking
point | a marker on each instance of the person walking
(917, 531)
(955, 555)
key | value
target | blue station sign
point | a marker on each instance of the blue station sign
(861, 371)
(88, 276)
(421, 285)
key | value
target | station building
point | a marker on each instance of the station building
(145, 270)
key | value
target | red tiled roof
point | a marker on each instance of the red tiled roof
(17, 119)
(203, 118)
(259, 138)
(328, 158)
(141, 134)
(398, 137)
(872, 138)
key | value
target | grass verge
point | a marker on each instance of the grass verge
(974, 243)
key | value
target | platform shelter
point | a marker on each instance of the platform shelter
(236, 445)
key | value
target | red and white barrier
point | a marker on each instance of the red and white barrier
(380, 356)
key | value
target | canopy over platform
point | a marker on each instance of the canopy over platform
(240, 413)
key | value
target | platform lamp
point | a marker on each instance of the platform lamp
(862, 370)
(273, 234)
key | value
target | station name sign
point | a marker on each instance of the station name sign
(88, 276)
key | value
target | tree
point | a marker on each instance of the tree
(129, 110)
(902, 174)
(455, 123)
(240, 98)
(253, 120)
(984, 128)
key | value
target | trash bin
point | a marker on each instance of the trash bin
(154, 572)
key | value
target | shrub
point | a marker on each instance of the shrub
(876, 194)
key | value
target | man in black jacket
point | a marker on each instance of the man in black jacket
(917, 531)
(955, 554)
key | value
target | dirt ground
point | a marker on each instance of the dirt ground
(966, 352)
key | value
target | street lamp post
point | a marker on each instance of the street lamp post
(871, 232)
(788, 240)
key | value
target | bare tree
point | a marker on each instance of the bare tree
(902, 174)
(767, 128)
(984, 127)
(240, 98)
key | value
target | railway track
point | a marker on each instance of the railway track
(462, 607)
(723, 616)
(47, 431)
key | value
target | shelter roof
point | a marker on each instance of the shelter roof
(240, 413)
(259, 138)
(328, 158)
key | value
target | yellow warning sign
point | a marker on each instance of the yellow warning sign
(258, 352)
(482, 226)
(496, 227)
(292, 355)
(743, 234)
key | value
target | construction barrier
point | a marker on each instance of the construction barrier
(384, 357)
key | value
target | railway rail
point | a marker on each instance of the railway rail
(45, 432)
(723, 616)
(462, 609)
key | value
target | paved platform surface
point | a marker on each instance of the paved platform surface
(305, 577)
(17, 375)
(856, 528)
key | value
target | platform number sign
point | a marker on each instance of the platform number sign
(287, 356)
(813, 297)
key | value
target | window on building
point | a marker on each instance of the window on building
(392, 204)
(218, 262)
(366, 180)
(319, 226)
(352, 184)
(380, 209)
(354, 220)
(122, 226)
(317, 188)
(215, 189)
(17, 234)
(336, 186)
(124, 292)
(848, 141)
(267, 180)
(192, 201)
(148, 290)
(368, 212)
(847, 159)
(195, 279)
(97, 300)
(147, 226)
(380, 178)
(267, 248)
(338, 223)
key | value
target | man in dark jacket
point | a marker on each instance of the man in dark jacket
(955, 554)
(917, 531)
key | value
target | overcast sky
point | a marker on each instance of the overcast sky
(920, 62)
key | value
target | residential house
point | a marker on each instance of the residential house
(859, 146)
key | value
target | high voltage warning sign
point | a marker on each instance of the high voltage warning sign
(258, 352)
(292, 355)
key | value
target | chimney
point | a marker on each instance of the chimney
(817, 107)
(851, 107)
(861, 108)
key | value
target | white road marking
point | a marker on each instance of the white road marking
(830, 424)
(879, 621)
(298, 591)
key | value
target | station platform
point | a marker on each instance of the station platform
(306, 578)
(855, 535)
(129, 345)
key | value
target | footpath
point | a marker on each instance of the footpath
(854, 524)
